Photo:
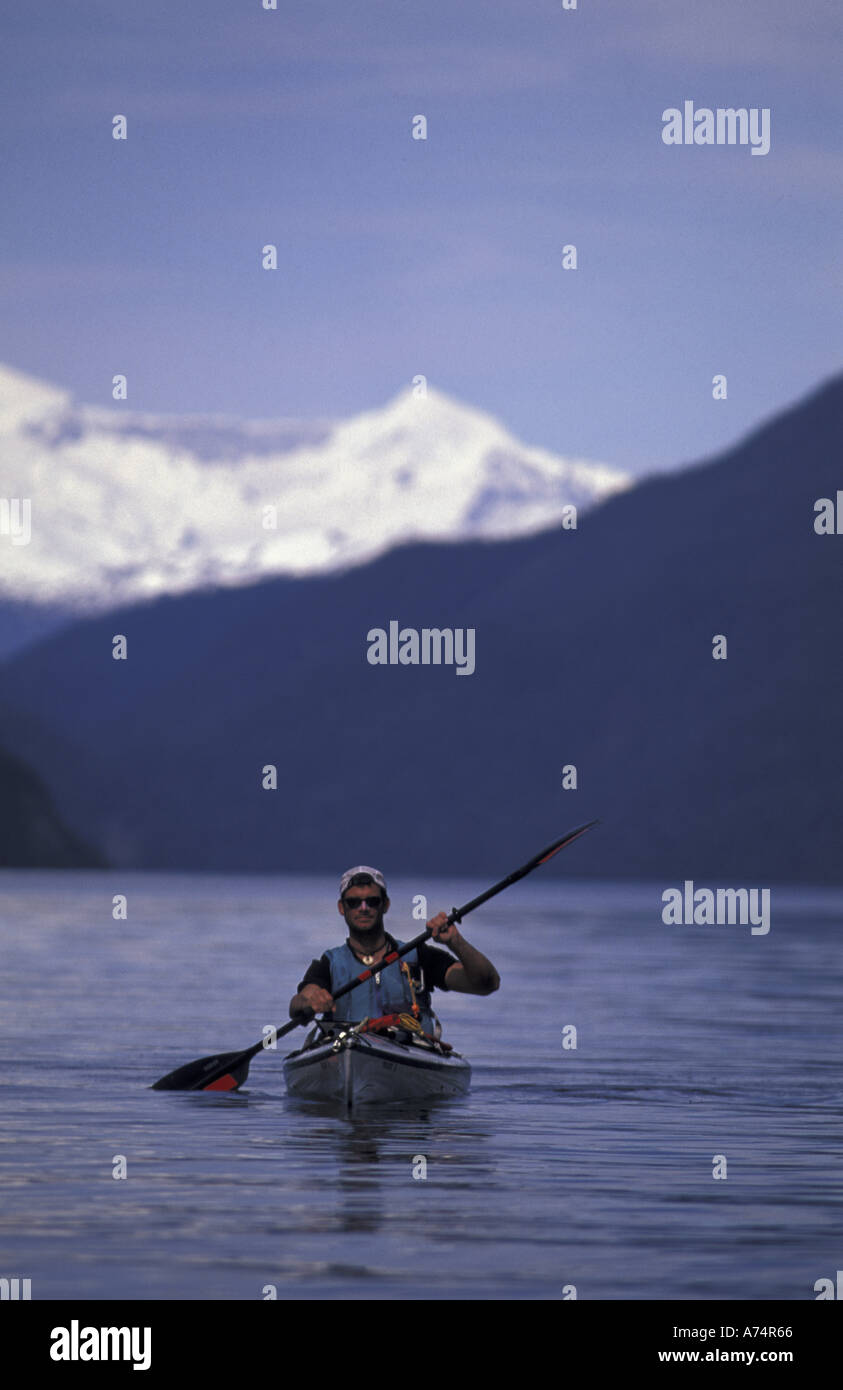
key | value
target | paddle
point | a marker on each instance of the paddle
(225, 1071)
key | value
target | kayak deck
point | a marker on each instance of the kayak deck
(351, 1068)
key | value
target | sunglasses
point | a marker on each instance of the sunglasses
(352, 904)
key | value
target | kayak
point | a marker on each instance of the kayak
(351, 1067)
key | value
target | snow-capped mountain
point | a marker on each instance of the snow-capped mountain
(126, 506)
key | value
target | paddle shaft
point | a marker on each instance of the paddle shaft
(232, 1062)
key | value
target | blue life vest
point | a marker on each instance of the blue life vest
(385, 992)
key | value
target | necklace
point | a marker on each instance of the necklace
(366, 960)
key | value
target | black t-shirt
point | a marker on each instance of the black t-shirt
(434, 961)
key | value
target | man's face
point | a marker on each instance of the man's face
(361, 911)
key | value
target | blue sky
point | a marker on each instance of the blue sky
(441, 256)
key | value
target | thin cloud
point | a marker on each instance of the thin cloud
(423, 73)
(27, 281)
(775, 35)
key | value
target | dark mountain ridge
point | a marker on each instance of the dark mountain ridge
(32, 835)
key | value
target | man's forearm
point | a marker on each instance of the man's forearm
(479, 971)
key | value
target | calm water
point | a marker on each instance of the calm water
(589, 1167)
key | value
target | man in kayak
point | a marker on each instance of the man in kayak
(405, 985)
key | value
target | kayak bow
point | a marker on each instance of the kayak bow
(351, 1067)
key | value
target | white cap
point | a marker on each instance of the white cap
(374, 874)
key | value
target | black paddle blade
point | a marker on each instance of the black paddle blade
(193, 1076)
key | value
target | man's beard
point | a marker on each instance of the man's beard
(370, 932)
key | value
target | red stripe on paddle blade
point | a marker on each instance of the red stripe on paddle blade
(223, 1083)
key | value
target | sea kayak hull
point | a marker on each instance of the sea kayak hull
(353, 1069)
